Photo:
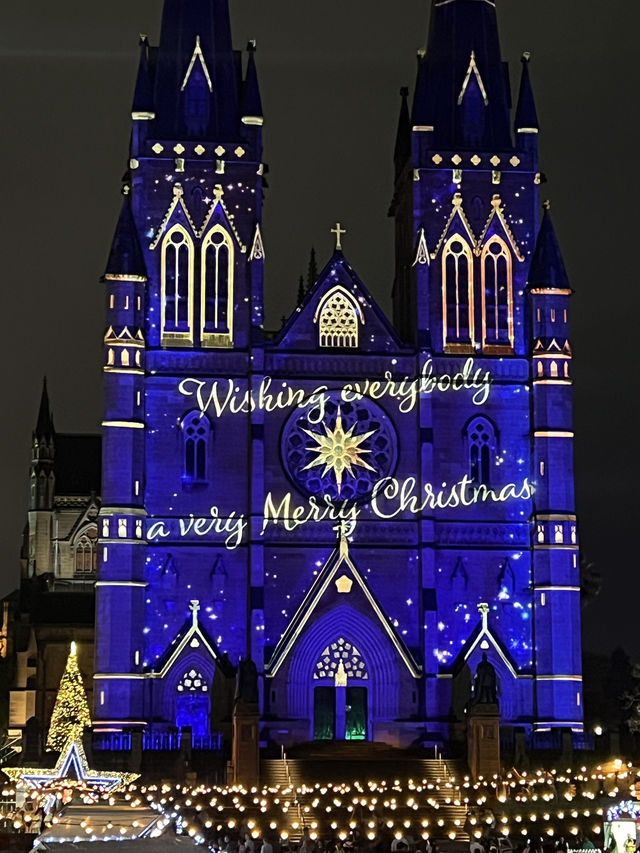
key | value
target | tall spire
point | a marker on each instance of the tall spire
(403, 136)
(547, 266)
(44, 425)
(526, 119)
(198, 73)
(312, 271)
(251, 111)
(125, 258)
(142, 107)
(463, 88)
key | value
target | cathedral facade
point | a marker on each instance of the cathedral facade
(363, 508)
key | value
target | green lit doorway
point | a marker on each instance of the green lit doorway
(356, 712)
(324, 713)
(340, 713)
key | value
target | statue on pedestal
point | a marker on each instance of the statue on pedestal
(246, 683)
(485, 685)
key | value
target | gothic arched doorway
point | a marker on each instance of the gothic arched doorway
(193, 703)
(340, 698)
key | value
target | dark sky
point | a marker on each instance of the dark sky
(330, 73)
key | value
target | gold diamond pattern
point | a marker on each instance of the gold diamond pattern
(219, 150)
(515, 161)
(457, 159)
(199, 149)
(437, 159)
(179, 148)
(239, 152)
(495, 160)
(157, 148)
(476, 160)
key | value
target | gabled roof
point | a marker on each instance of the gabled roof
(483, 636)
(338, 567)
(457, 220)
(497, 223)
(191, 635)
(301, 329)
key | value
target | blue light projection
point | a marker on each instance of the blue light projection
(403, 488)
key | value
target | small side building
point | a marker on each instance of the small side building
(55, 602)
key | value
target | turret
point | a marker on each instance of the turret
(556, 574)
(41, 489)
(42, 456)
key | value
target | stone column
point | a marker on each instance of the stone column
(245, 761)
(483, 740)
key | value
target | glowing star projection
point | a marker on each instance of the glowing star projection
(71, 768)
(339, 451)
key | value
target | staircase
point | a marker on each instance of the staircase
(344, 763)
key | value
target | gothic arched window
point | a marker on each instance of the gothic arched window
(481, 446)
(196, 431)
(497, 294)
(193, 705)
(85, 553)
(338, 317)
(177, 286)
(341, 659)
(457, 292)
(217, 288)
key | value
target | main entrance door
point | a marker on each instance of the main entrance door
(340, 708)
(340, 713)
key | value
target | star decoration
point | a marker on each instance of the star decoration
(339, 450)
(72, 759)
(344, 584)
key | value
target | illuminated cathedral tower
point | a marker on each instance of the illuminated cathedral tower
(363, 509)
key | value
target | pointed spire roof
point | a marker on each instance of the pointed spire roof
(547, 265)
(526, 115)
(142, 107)
(200, 29)
(312, 270)
(44, 425)
(251, 111)
(403, 136)
(126, 258)
(463, 34)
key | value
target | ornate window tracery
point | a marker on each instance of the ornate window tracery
(341, 659)
(177, 286)
(193, 681)
(217, 288)
(85, 554)
(338, 318)
(481, 440)
(497, 294)
(457, 293)
(196, 431)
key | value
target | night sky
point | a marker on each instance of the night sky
(330, 73)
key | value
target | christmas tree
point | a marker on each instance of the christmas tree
(71, 711)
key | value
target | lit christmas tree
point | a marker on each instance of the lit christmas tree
(71, 711)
